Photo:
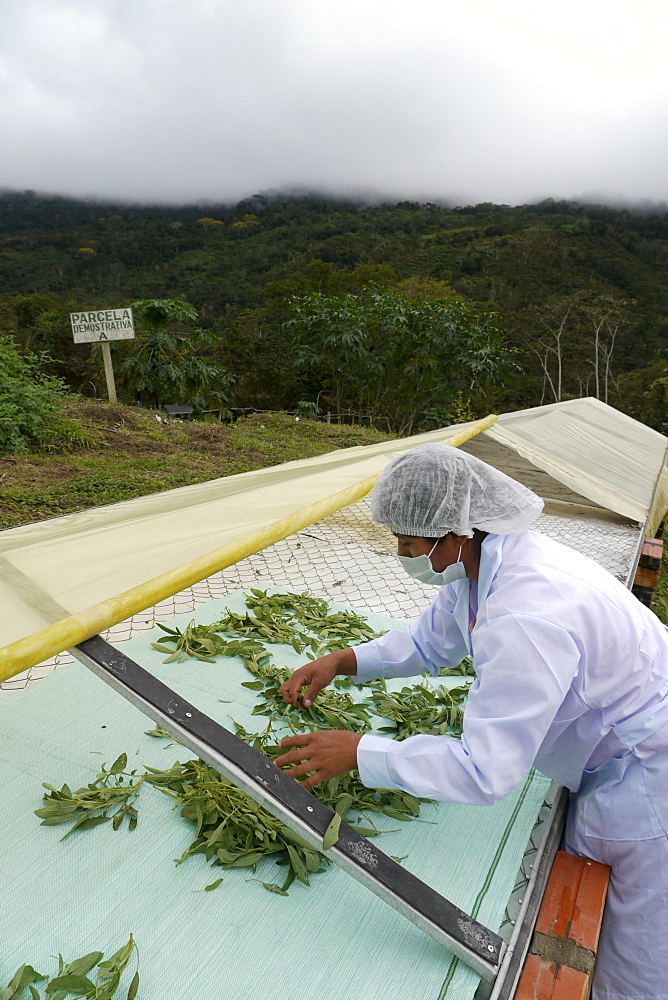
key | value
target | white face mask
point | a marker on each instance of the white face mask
(420, 568)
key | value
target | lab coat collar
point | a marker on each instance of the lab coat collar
(490, 561)
(491, 552)
(461, 609)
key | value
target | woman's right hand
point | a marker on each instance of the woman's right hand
(317, 675)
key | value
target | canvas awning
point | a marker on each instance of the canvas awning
(64, 579)
(597, 451)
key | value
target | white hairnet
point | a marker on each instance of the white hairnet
(435, 489)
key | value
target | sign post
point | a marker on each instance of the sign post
(99, 327)
(109, 372)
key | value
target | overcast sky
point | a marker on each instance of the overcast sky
(474, 100)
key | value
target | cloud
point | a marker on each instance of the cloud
(487, 101)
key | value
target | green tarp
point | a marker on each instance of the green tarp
(238, 942)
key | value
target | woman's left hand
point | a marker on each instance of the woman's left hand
(327, 753)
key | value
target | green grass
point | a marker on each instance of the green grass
(129, 453)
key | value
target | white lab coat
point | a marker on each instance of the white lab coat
(571, 676)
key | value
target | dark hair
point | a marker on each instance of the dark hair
(477, 534)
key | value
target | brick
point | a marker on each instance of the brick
(574, 898)
(564, 944)
(546, 981)
(570, 985)
(537, 980)
(560, 894)
(651, 553)
(588, 911)
(646, 577)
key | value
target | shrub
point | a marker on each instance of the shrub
(30, 402)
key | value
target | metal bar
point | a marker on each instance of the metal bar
(633, 566)
(302, 812)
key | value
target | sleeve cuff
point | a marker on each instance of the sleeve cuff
(372, 761)
(369, 662)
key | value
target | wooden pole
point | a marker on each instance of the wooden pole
(109, 372)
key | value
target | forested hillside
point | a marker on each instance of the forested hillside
(553, 300)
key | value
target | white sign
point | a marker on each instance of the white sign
(102, 324)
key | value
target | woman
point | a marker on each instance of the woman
(571, 676)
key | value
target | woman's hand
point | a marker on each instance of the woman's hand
(317, 675)
(327, 753)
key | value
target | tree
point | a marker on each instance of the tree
(605, 317)
(260, 355)
(579, 334)
(550, 348)
(41, 325)
(166, 362)
(393, 358)
(644, 394)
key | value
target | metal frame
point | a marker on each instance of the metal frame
(472, 942)
(634, 565)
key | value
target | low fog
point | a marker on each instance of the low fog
(156, 100)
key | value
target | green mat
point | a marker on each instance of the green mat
(239, 942)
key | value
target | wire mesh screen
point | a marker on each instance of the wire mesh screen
(347, 558)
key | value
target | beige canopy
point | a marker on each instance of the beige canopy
(65, 579)
(597, 451)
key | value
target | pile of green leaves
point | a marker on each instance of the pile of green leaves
(233, 831)
(463, 669)
(332, 710)
(305, 623)
(421, 709)
(301, 621)
(73, 978)
(110, 797)
(202, 642)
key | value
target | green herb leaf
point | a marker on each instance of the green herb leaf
(332, 832)
(84, 823)
(82, 966)
(134, 986)
(73, 984)
(297, 864)
(119, 764)
(22, 978)
(272, 887)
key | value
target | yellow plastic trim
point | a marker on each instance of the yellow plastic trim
(53, 639)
